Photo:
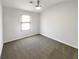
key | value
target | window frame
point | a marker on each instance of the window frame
(25, 22)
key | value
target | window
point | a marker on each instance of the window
(25, 22)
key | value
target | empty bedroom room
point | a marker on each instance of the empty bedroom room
(39, 29)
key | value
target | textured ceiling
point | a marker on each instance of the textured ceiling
(25, 5)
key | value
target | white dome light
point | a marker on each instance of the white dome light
(38, 7)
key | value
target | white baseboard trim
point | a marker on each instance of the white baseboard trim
(45, 36)
(19, 38)
(60, 41)
(1, 50)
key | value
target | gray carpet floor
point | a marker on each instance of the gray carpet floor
(38, 47)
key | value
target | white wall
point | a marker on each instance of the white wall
(59, 22)
(1, 34)
(12, 26)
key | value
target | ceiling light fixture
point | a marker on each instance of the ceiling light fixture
(38, 7)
